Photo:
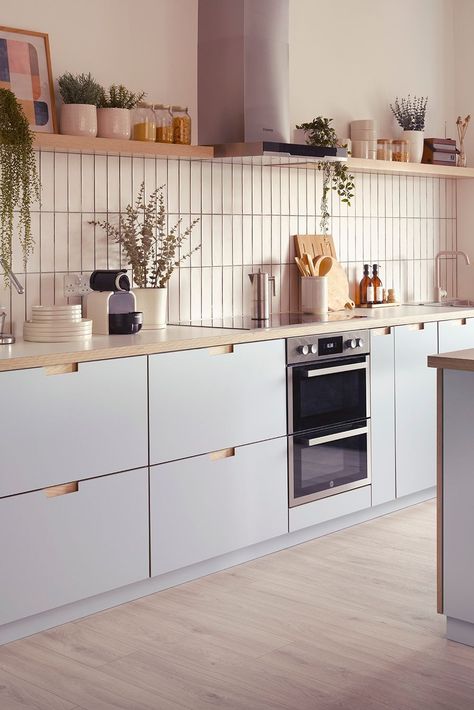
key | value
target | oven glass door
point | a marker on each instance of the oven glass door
(326, 394)
(328, 461)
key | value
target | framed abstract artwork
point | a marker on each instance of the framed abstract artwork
(25, 69)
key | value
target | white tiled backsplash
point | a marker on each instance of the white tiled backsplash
(247, 216)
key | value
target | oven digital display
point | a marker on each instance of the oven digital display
(330, 346)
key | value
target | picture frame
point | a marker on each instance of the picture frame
(25, 69)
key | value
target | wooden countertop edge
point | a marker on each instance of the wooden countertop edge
(235, 337)
(457, 360)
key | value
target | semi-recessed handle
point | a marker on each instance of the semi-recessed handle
(221, 350)
(416, 326)
(222, 454)
(61, 490)
(381, 331)
(61, 369)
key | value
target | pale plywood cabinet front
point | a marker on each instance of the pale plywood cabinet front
(382, 410)
(456, 334)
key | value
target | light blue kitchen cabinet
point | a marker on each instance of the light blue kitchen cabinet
(415, 397)
(455, 334)
(382, 411)
(77, 425)
(59, 547)
(210, 505)
(215, 398)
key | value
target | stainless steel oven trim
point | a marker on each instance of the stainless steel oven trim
(294, 502)
(335, 370)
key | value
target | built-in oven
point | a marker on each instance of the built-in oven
(328, 415)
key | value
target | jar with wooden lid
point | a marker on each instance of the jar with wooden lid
(143, 123)
(400, 151)
(181, 125)
(164, 123)
(384, 149)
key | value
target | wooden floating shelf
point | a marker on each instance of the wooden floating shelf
(56, 142)
(389, 167)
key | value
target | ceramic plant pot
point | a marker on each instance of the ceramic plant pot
(415, 145)
(78, 120)
(113, 123)
(152, 303)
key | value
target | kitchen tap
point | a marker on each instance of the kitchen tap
(18, 287)
(440, 293)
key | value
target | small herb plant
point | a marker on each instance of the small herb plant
(79, 89)
(19, 181)
(151, 249)
(410, 112)
(336, 175)
(119, 97)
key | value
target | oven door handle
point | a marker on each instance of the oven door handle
(334, 370)
(335, 437)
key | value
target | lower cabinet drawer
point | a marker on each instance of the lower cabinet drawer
(58, 549)
(206, 506)
(320, 511)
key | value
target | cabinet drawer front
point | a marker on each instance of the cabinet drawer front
(63, 548)
(88, 422)
(210, 505)
(201, 401)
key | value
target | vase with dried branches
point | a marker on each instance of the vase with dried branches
(152, 250)
(461, 125)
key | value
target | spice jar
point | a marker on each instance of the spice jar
(143, 123)
(384, 151)
(164, 123)
(181, 125)
(400, 151)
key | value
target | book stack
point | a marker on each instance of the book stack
(439, 151)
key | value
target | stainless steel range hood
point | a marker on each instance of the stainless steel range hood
(243, 81)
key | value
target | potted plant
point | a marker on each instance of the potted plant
(113, 111)
(336, 175)
(152, 250)
(19, 181)
(80, 94)
(410, 114)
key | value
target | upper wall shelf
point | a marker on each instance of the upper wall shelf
(109, 146)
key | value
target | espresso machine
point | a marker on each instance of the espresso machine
(111, 305)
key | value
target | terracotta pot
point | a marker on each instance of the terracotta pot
(113, 123)
(78, 120)
(152, 303)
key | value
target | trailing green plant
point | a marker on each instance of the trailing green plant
(151, 249)
(79, 89)
(336, 175)
(19, 180)
(119, 97)
(410, 112)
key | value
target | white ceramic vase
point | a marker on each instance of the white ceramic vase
(415, 145)
(152, 303)
(113, 123)
(78, 120)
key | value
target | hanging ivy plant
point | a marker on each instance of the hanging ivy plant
(336, 175)
(19, 180)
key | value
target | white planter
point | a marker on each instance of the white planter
(152, 303)
(113, 123)
(78, 120)
(415, 145)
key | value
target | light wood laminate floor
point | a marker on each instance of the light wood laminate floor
(344, 622)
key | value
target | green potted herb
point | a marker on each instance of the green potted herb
(113, 111)
(152, 250)
(411, 114)
(336, 175)
(19, 181)
(80, 94)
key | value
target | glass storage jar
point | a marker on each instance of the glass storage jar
(143, 123)
(164, 123)
(181, 125)
(400, 151)
(384, 149)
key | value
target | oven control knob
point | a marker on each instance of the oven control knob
(314, 349)
(352, 344)
(360, 342)
(304, 349)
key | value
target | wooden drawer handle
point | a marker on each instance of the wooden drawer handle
(416, 326)
(61, 369)
(458, 322)
(381, 331)
(61, 490)
(221, 350)
(222, 454)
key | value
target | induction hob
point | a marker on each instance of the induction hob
(276, 320)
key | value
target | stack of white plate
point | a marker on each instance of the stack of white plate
(364, 139)
(56, 324)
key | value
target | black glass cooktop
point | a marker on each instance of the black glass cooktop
(277, 320)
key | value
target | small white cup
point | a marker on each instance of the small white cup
(314, 295)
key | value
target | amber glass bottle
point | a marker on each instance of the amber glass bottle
(364, 285)
(377, 283)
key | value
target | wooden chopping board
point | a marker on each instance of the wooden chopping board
(315, 245)
(338, 284)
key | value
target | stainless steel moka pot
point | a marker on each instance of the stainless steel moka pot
(261, 294)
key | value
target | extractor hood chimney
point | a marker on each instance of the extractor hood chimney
(243, 79)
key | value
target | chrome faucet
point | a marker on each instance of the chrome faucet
(440, 294)
(18, 287)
